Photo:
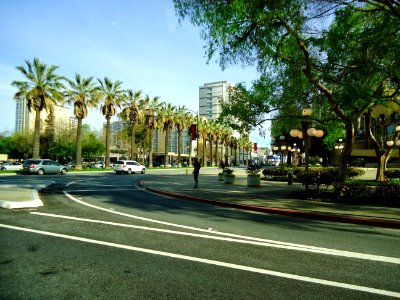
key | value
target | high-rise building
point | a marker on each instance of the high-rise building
(25, 119)
(210, 97)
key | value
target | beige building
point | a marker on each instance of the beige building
(210, 97)
(25, 120)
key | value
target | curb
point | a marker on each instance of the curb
(284, 212)
(36, 202)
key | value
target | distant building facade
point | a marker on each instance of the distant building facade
(210, 97)
(25, 119)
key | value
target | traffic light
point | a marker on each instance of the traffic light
(193, 131)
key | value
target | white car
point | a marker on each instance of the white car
(128, 167)
(11, 165)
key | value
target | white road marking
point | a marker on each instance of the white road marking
(214, 262)
(239, 239)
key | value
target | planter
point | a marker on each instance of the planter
(229, 179)
(221, 176)
(253, 180)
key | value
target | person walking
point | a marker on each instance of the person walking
(196, 171)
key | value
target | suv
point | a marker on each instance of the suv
(128, 167)
(43, 166)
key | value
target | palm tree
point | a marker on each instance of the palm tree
(152, 105)
(166, 119)
(132, 114)
(112, 96)
(181, 122)
(42, 90)
(82, 94)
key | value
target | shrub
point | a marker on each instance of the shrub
(227, 171)
(389, 192)
(392, 173)
(317, 177)
(354, 172)
(352, 192)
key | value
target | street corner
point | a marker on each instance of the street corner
(15, 196)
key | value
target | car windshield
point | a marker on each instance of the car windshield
(32, 162)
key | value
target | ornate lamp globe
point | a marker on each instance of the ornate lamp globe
(398, 143)
(311, 131)
(319, 133)
(294, 132)
(390, 143)
(307, 112)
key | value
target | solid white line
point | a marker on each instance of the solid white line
(214, 262)
(258, 242)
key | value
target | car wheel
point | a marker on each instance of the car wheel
(118, 172)
(2, 169)
(63, 171)
(143, 171)
(40, 172)
(129, 172)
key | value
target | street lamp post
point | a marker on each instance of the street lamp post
(306, 133)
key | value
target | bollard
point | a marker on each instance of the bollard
(290, 176)
(187, 171)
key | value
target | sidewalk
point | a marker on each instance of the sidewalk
(271, 197)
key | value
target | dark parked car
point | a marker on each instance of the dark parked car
(43, 166)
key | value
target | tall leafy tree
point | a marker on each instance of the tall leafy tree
(113, 96)
(133, 114)
(42, 90)
(282, 36)
(82, 93)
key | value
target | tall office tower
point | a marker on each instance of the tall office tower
(25, 120)
(210, 96)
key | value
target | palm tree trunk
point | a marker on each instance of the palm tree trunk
(133, 144)
(190, 151)
(36, 136)
(204, 151)
(211, 153)
(108, 142)
(78, 155)
(216, 150)
(179, 147)
(166, 157)
(150, 158)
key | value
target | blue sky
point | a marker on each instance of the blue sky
(137, 42)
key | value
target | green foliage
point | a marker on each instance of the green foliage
(253, 170)
(17, 146)
(92, 146)
(358, 192)
(354, 172)
(392, 173)
(228, 171)
(352, 192)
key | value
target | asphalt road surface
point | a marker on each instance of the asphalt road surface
(100, 236)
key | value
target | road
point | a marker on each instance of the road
(101, 236)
